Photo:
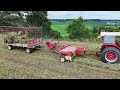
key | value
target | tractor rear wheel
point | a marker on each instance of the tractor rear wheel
(110, 55)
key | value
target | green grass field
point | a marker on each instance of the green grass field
(45, 64)
(61, 27)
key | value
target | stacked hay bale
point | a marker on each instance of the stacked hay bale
(22, 37)
(11, 37)
(15, 37)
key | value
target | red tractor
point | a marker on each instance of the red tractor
(110, 49)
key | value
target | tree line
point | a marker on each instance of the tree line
(27, 19)
(76, 29)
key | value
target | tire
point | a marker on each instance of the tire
(28, 50)
(102, 48)
(110, 55)
(62, 59)
(39, 46)
(10, 47)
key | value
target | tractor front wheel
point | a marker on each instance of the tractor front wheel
(110, 55)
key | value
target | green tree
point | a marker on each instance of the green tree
(55, 34)
(11, 18)
(39, 19)
(27, 18)
(96, 31)
(77, 29)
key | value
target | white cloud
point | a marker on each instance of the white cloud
(84, 14)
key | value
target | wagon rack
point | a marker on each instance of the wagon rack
(68, 51)
(26, 37)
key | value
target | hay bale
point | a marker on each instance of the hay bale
(20, 33)
(23, 36)
(15, 37)
(21, 39)
(24, 41)
(10, 37)
(12, 34)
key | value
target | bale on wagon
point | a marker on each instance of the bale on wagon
(26, 37)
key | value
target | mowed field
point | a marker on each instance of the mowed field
(45, 64)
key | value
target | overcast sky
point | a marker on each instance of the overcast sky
(84, 14)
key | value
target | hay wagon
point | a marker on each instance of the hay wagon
(25, 37)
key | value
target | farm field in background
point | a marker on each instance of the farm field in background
(61, 26)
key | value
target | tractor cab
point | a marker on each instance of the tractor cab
(110, 38)
(110, 49)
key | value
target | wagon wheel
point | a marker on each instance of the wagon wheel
(62, 59)
(28, 50)
(39, 46)
(10, 47)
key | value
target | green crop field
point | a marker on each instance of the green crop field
(60, 27)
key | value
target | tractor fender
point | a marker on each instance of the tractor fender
(108, 46)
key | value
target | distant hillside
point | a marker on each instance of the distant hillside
(89, 22)
(86, 20)
(60, 25)
(61, 20)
